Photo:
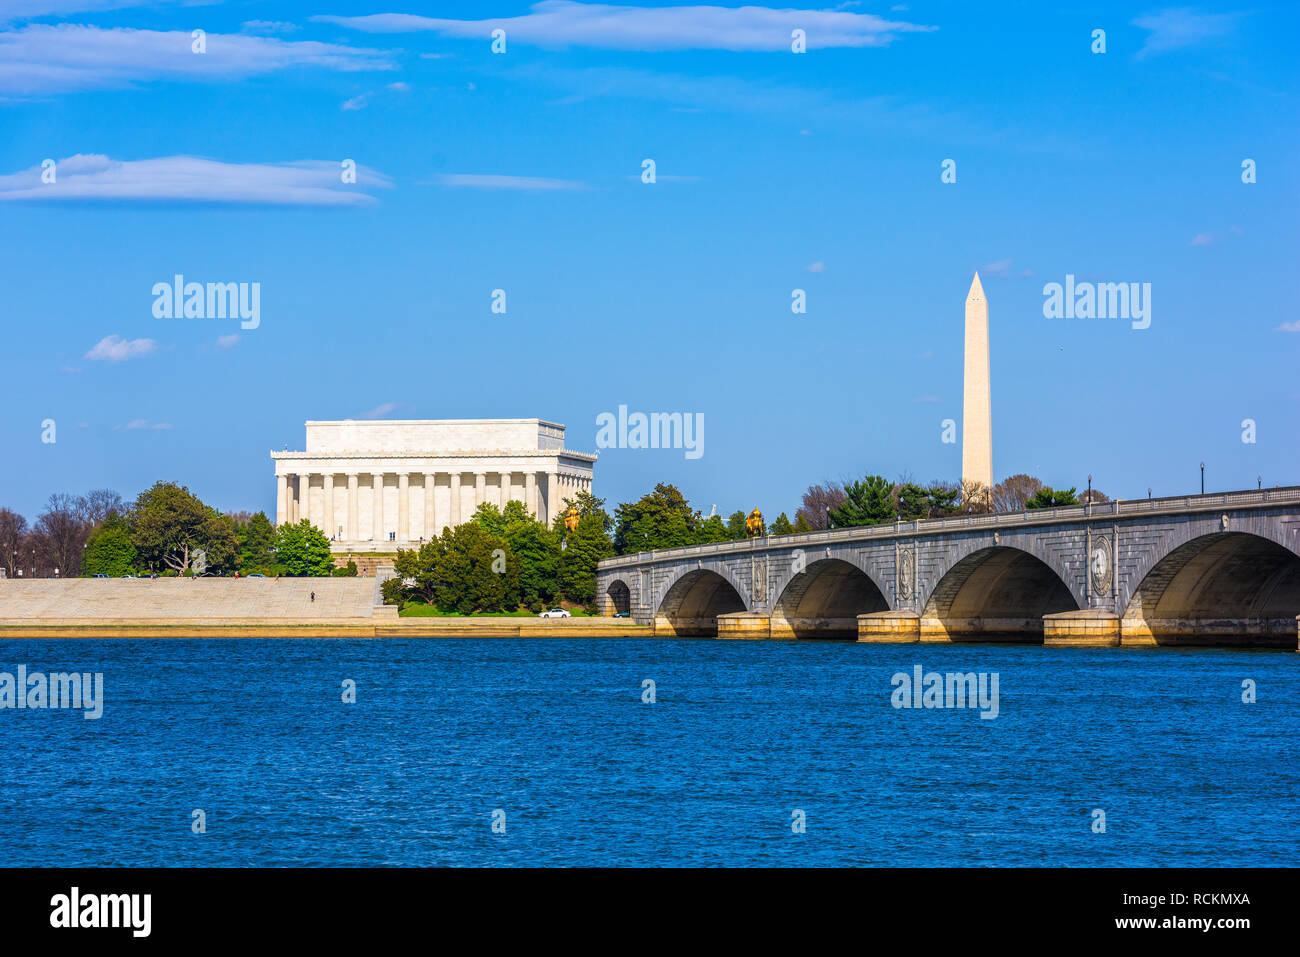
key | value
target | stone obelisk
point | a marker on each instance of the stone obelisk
(977, 419)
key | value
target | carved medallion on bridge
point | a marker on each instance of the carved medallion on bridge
(1100, 565)
(906, 578)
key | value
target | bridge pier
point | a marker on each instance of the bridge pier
(890, 627)
(1027, 631)
(1087, 628)
(1220, 632)
(744, 625)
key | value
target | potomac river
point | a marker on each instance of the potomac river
(632, 751)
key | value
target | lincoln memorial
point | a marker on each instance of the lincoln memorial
(375, 485)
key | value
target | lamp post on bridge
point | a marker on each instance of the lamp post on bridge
(1202, 478)
(1089, 493)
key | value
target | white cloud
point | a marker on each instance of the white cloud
(562, 23)
(95, 177)
(1289, 326)
(399, 87)
(1176, 28)
(356, 103)
(379, 411)
(818, 266)
(268, 26)
(493, 181)
(139, 424)
(114, 348)
(228, 342)
(1201, 239)
(40, 59)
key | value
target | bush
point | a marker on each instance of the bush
(394, 592)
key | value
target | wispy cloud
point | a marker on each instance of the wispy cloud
(379, 411)
(140, 424)
(359, 102)
(564, 23)
(1004, 269)
(190, 178)
(495, 181)
(1179, 27)
(1201, 239)
(40, 59)
(818, 266)
(1289, 326)
(228, 342)
(926, 399)
(114, 348)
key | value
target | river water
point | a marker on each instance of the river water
(551, 740)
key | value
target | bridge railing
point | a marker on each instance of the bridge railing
(1173, 504)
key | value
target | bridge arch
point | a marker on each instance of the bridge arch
(617, 598)
(693, 602)
(1231, 585)
(824, 601)
(998, 592)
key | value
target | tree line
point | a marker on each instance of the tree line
(167, 531)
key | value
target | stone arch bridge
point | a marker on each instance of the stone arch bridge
(1220, 569)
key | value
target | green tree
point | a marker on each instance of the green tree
(713, 529)
(1051, 498)
(801, 525)
(303, 549)
(945, 499)
(473, 571)
(586, 546)
(537, 550)
(109, 550)
(736, 530)
(781, 526)
(170, 525)
(868, 502)
(661, 519)
(257, 542)
(911, 502)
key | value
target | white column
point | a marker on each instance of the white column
(281, 499)
(480, 488)
(430, 513)
(530, 494)
(352, 533)
(403, 506)
(329, 527)
(553, 503)
(505, 478)
(304, 498)
(454, 518)
(377, 495)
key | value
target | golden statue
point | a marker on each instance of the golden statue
(754, 524)
(571, 518)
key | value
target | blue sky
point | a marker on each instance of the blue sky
(775, 171)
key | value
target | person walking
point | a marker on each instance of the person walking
(313, 596)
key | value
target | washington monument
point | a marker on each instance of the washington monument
(977, 419)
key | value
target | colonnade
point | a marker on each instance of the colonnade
(341, 507)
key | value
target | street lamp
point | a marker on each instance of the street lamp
(1202, 478)
(1090, 493)
(1259, 482)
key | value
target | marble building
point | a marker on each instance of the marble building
(372, 485)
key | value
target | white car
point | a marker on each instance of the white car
(555, 613)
